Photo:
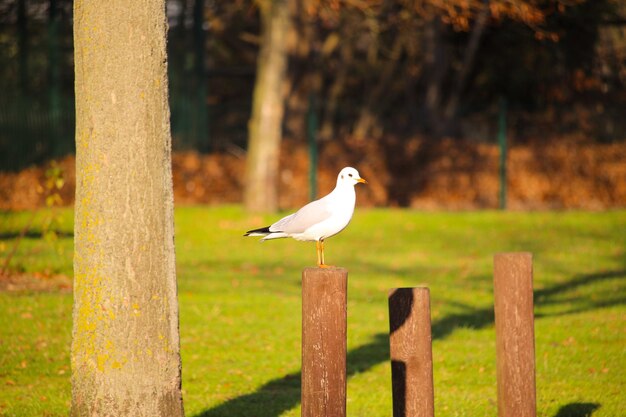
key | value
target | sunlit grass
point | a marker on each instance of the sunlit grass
(240, 310)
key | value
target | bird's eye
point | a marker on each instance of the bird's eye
(350, 175)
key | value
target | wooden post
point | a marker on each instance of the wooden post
(411, 352)
(515, 335)
(324, 299)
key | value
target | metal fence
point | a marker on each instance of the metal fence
(33, 131)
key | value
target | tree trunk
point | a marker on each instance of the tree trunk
(377, 95)
(125, 345)
(469, 57)
(264, 128)
(303, 73)
(332, 102)
(436, 61)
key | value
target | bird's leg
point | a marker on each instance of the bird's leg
(320, 262)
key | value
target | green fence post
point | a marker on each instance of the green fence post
(503, 151)
(312, 139)
(57, 142)
(200, 123)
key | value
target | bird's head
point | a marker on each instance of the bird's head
(349, 176)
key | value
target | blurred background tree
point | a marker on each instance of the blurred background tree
(374, 68)
(265, 125)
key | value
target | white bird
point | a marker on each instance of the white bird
(320, 219)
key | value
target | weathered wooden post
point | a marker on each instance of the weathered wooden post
(515, 335)
(410, 343)
(324, 330)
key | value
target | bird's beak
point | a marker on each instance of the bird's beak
(362, 180)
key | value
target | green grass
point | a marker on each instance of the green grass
(240, 311)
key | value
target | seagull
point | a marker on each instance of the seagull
(320, 219)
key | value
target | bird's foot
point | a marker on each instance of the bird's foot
(325, 266)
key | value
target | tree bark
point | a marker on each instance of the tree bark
(468, 65)
(265, 126)
(332, 102)
(377, 95)
(436, 62)
(125, 346)
(303, 70)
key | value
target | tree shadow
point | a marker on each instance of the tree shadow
(577, 410)
(33, 234)
(282, 394)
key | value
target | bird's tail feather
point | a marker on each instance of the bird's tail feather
(263, 231)
(274, 235)
(266, 233)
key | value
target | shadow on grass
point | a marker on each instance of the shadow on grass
(577, 410)
(282, 394)
(33, 234)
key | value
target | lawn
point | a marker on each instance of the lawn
(240, 310)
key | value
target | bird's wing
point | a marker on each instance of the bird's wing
(313, 213)
(279, 226)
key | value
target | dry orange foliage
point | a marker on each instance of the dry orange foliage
(563, 173)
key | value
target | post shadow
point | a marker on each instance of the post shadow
(577, 410)
(403, 302)
(282, 394)
(410, 342)
(398, 388)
